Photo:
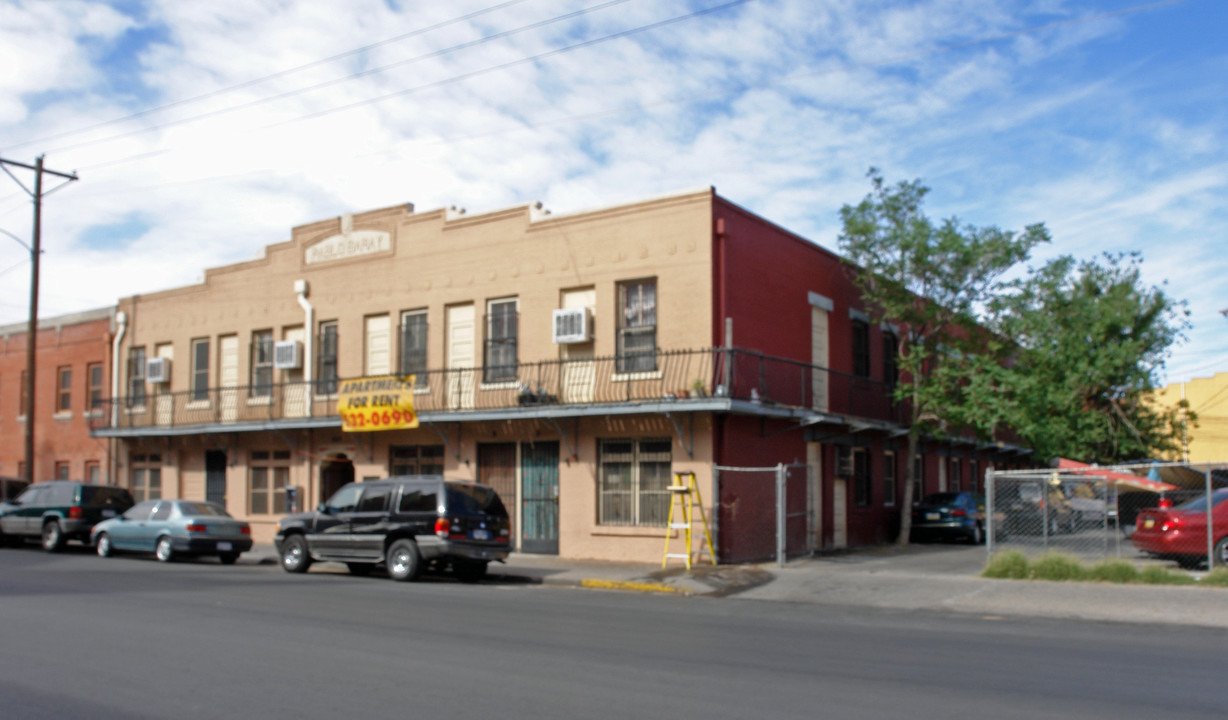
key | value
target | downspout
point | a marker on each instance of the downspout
(121, 320)
(301, 288)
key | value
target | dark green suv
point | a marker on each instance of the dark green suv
(59, 511)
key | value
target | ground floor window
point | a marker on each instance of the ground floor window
(635, 476)
(956, 483)
(146, 477)
(415, 460)
(862, 492)
(918, 478)
(889, 478)
(270, 474)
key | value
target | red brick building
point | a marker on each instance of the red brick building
(72, 380)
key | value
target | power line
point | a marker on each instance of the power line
(344, 79)
(281, 73)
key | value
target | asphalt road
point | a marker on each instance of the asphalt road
(86, 637)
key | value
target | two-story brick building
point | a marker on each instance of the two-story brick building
(72, 375)
(575, 362)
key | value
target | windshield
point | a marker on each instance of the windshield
(1200, 503)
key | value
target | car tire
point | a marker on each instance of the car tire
(53, 536)
(164, 550)
(295, 557)
(360, 568)
(470, 571)
(1220, 556)
(228, 558)
(403, 560)
(103, 545)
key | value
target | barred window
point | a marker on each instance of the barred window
(136, 377)
(635, 476)
(413, 346)
(502, 330)
(269, 476)
(415, 460)
(637, 327)
(862, 492)
(262, 364)
(326, 383)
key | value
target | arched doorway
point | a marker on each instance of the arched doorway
(335, 472)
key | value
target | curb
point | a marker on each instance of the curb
(632, 585)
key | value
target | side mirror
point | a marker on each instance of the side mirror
(322, 508)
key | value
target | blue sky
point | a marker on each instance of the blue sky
(1105, 120)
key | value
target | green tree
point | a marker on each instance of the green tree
(933, 281)
(1092, 337)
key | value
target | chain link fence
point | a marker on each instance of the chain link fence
(764, 512)
(1093, 513)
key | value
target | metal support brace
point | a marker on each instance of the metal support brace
(444, 437)
(563, 434)
(689, 447)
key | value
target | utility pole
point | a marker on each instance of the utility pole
(37, 195)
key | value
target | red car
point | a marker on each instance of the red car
(1180, 533)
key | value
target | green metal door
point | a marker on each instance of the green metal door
(539, 473)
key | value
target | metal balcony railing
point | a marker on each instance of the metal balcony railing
(676, 375)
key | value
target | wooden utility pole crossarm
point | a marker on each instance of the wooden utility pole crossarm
(37, 195)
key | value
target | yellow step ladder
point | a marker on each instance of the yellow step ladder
(684, 493)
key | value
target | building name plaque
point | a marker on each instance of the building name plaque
(350, 243)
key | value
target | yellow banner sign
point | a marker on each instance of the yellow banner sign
(385, 402)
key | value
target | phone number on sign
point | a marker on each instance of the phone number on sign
(374, 419)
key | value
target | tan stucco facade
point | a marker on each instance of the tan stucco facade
(380, 264)
(1207, 441)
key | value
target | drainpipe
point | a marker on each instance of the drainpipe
(121, 320)
(301, 288)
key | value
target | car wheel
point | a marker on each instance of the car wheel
(53, 537)
(978, 534)
(228, 558)
(164, 550)
(357, 568)
(403, 561)
(294, 555)
(470, 571)
(1221, 552)
(104, 545)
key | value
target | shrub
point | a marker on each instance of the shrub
(1157, 575)
(1011, 565)
(1114, 571)
(1054, 566)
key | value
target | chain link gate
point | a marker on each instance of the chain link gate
(1090, 512)
(763, 512)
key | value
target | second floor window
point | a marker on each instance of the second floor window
(326, 379)
(861, 348)
(637, 327)
(63, 402)
(502, 327)
(262, 364)
(413, 346)
(200, 369)
(93, 373)
(891, 350)
(136, 377)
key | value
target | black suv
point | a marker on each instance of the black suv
(404, 523)
(59, 511)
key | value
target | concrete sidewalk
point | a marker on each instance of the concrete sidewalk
(932, 578)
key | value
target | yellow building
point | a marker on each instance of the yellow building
(1206, 441)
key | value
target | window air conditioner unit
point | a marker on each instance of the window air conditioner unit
(572, 325)
(158, 370)
(288, 355)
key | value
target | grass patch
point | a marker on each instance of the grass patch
(1014, 565)
(1054, 566)
(1216, 578)
(1011, 565)
(1113, 571)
